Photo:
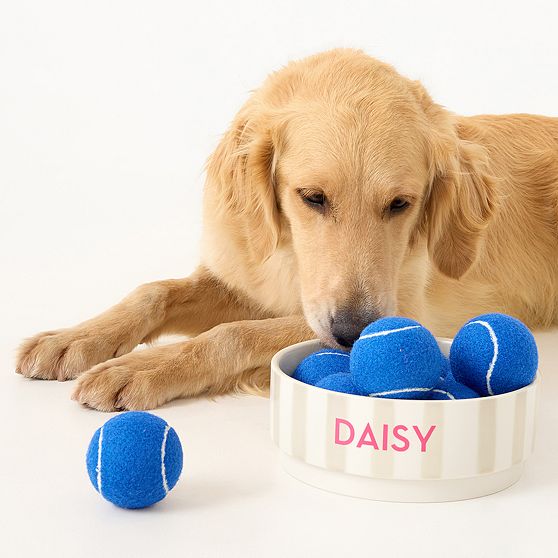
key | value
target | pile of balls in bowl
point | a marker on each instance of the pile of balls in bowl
(399, 358)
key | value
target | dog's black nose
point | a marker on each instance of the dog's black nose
(347, 323)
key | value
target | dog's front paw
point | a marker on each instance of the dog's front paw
(137, 381)
(66, 353)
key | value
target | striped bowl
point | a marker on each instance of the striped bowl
(398, 450)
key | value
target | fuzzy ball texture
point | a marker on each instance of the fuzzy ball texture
(449, 388)
(396, 358)
(322, 363)
(446, 367)
(494, 354)
(341, 382)
(134, 459)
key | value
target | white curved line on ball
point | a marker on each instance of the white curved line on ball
(387, 332)
(404, 390)
(163, 449)
(494, 340)
(444, 393)
(336, 354)
(99, 454)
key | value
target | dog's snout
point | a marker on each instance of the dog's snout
(347, 323)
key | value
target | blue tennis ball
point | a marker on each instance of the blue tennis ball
(320, 364)
(494, 354)
(446, 367)
(396, 358)
(134, 459)
(450, 388)
(341, 382)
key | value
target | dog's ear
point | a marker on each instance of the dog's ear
(242, 170)
(460, 198)
(458, 209)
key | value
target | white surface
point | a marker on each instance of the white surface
(107, 113)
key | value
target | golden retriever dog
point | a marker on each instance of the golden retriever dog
(341, 193)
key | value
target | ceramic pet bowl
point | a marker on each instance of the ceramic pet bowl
(394, 449)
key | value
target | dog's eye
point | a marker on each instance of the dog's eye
(313, 198)
(398, 205)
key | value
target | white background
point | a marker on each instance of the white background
(108, 111)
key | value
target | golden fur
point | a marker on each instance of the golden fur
(479, 233)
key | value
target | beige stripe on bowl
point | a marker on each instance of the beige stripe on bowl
(382, 462)
(518, 451)
(298, 421)
(505, 411)
(408, 464)
(460, 435)
(337, 406)
(285, 416)
(486, 451)
(531, 419)
(316, 427)
(433, 460)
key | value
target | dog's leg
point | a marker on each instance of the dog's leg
(188, 306)
(215, 362)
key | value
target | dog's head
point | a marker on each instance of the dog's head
(353, 165)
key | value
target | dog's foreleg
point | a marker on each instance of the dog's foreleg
(228, 356)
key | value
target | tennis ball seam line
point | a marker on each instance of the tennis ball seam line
(387, 332)
(403, 390)
(443, 392)
(99, 455)
(335, 354)
(494, 340)
(163, 469)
